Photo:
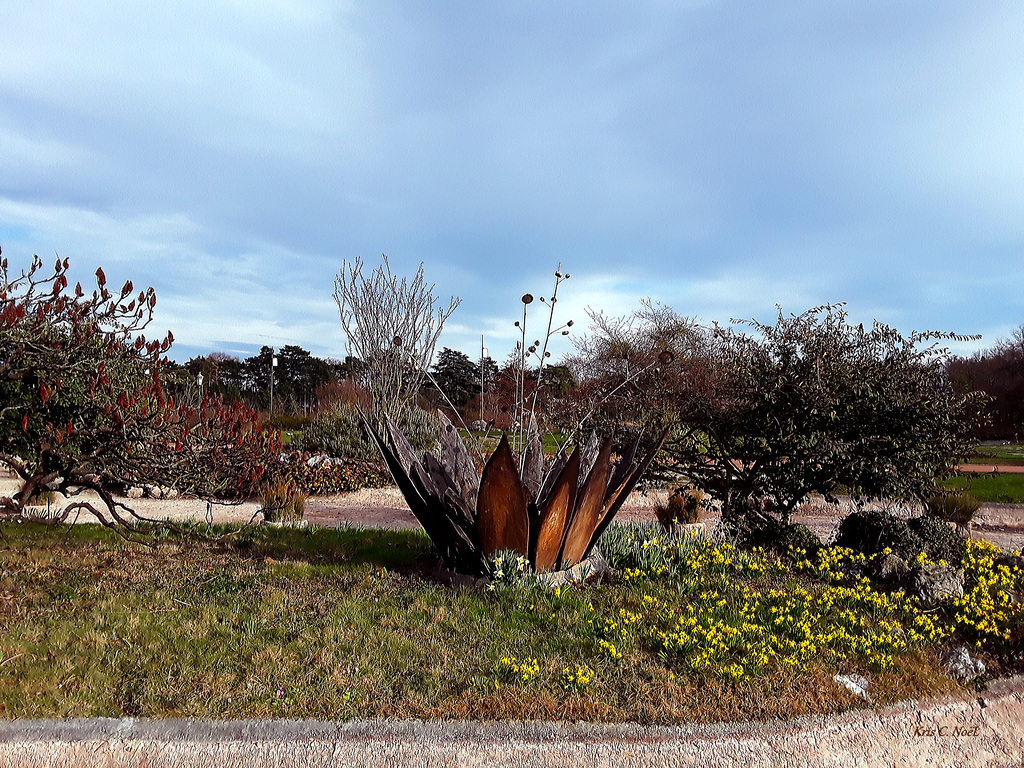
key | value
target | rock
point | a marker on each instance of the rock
(591, 569)
(960, 664)
(170, 493)
(889, 568)
(151, 491)
(322, 458)
(855, 684)
(133, 493)
(934, 583)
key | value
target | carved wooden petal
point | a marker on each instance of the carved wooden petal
(458, 463)
(589, 456)
(554, 515)
(618, 498)
(533, 464)
(502, 521)
(553, 473)
(588, 509)
(403, 450)
(413, 497)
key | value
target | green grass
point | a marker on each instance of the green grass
(1005, 488)
(489, 440)
(338, 624)
(1007, 455)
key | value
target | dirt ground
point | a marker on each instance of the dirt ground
(1002, 524)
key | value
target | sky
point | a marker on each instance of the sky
(721, 158)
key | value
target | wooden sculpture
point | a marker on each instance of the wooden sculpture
(554, 519)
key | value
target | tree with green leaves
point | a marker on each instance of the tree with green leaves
(456, 376)
(764, 415)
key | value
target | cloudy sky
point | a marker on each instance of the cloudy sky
(720, 157)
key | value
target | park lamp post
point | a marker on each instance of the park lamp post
(483, 356)
(273, 365)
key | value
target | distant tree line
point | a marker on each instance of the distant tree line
(304, 383)
(999, 373)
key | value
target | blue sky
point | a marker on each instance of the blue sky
(720, 157)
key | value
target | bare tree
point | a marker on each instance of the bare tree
(392, 325)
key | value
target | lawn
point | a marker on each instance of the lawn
(1007, 455)
(1001, 488)
(338, 624)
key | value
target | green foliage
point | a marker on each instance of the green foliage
(338, 432)
(289, 422)
(939, 541)
(456, 376)
(766, 414)
(323, 478)
(759, 530)
(872, 531)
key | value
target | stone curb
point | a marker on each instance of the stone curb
(984, 731)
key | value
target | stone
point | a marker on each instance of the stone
(593, 568)
(133, 493)
(959, 664)
(934, 583)
(855, 684)
(889, 568)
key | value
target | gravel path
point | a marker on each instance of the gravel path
(1002, 524)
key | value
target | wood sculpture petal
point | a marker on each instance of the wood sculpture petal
(413, 496)
(533, 464)
(588, 509)
(459, 464)
(502, 521)
(403, 450)
(589, 456)
(618, 498)
(554, 515)
(549, 480)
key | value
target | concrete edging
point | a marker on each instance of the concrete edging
(984, 731)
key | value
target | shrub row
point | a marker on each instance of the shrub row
(327, 477)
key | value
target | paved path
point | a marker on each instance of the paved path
(987, 730)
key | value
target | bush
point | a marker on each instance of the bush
(957, 508)
(768, 532)
(339, 433)
(328, 477)
(939, 540)
(871, 531)
(289, 422)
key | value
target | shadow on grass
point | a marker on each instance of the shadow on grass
(403, 551)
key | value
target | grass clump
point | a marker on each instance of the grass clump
(282, 502)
